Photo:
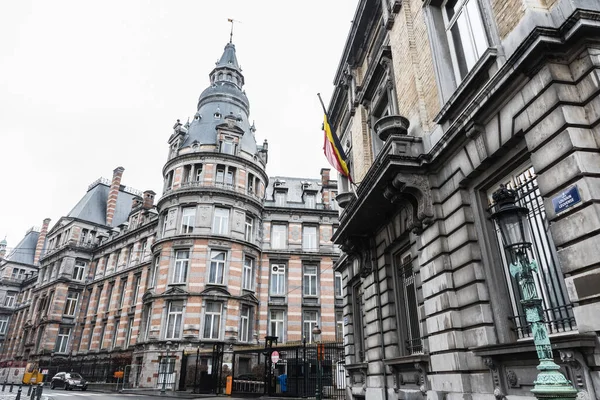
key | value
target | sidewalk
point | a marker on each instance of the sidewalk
(172, 394)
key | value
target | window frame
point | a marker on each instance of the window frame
(245, 331)
(310, 242)
(174, 317)
(411, 336)
(248, 273)
(71, 303)
(217, 265)
(212, 315)
(279, 270)
(277, 323)
(180, 266)
(220, 224)
(338, 277)
(188, 221)
(307, 330)
(4, 324)
(249, 228)
(62, 340)
(283, 236)
(310, 280)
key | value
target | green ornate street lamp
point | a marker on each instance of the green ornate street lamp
(514, 229)
(317, 338)
(163, 389)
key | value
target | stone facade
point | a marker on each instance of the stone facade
(430, 307)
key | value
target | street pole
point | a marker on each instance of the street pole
(512, 221)
(317, 338)
(196, 371)
(165, 370)
(305, 393)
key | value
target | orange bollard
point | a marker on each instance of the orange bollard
(229, 385)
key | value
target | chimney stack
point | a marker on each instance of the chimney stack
(40, 242)
(113, 193)
(325, 176)
(136, 202)
(149, 199)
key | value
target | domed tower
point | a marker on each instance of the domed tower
(201, 288)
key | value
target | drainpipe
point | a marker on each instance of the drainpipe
(380, 319)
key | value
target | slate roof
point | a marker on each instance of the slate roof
(294, 188)
(92, 206)
(222, 98)
(24, 251)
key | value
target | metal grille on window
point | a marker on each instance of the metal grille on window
(558, 311)
(414, 342)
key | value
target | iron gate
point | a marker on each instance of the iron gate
(296, 372)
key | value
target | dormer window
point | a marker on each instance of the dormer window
(280, 198)
(310, 201)
(228, 147)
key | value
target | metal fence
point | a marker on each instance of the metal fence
(93, 369)
(291, 370)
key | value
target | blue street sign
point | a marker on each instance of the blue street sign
(566, 199)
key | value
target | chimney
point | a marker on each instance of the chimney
(113, 193)
(3, 248)
(149, 199)
(136, 202)
(40, 242)
(325, 176)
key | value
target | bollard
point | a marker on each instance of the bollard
(3, 385)
(19, 392)
(11, 387)
(33, 393)
(29, 390)
(40, 390)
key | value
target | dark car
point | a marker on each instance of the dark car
(68, 381)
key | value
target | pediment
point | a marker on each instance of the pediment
(215, 291)
(232, 127)
(250, 297)
(175, 291)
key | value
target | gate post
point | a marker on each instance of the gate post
(269, 364)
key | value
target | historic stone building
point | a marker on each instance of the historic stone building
(437, 103)
(225, 256)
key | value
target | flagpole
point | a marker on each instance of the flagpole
(322, 104)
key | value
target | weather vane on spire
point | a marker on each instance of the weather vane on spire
(231, 33)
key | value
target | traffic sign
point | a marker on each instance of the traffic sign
(44, 372)
(275, 357)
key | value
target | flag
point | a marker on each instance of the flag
(334, 151)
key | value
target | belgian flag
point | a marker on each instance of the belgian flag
(333, 148)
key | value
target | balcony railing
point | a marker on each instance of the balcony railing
(214, 185)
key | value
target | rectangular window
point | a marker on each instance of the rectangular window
(174, 320)
(358, 320)
(280, 199)
(136, 289)
(339, 326)
(212, 320)
(187, 171)
(148, 320)
(549, 281)
(248, 273)
(188, 218)
(153, 272)
(143, 246)
(111, 288)
(91, 336)
(225, 175)
(279, 236)
(409, 305)
(278, 280)
(227, 147)
(165, 224)
(250, 182)
(245, 332)
(115, 335)
(221, 221)
(98, 296)
(129, 255)
(466, 34)
(198, 172)
(129, 332)
(338, 285)
(63, 340)
(102, 334)
(277, 324)
(71, 303)
(309, 282)
(9, 300)
(310, 201)
(182, 259)
(3, 324)
(249, 229)
(217, 267)
(309, 238)
(122, 294)
(78, 270)
(309, 321)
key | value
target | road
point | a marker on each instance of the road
(60, 394)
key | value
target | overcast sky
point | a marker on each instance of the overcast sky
(87, 86)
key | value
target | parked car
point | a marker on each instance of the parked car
(68, 381)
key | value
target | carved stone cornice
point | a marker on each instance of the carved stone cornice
(418, 187)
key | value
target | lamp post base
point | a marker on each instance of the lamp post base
(552, 384)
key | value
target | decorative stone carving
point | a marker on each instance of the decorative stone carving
(512, 379)
(418, 187)
(360, 247)
(391, 125)
(491, 364)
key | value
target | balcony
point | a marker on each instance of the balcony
(391, 125)
(343, 199)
